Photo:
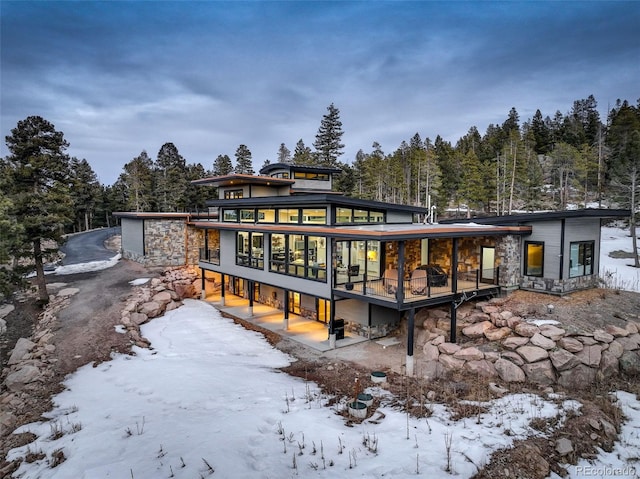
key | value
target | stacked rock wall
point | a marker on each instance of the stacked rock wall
(513, 349)
(162, 294)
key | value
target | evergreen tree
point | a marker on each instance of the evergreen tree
(11, 236)
(450, 170)
(244, 165)
(171, 182)
(624, 141)
(328, 146)
(85, 189)
(138, 178)
(564, 157)
(284, 154)
(531, 181)
(302, 155)
(36, 180)
(195, 198)
(222, 166)
(345, 182)
(541, 134)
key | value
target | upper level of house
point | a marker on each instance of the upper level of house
(298, 195)
(278, 179)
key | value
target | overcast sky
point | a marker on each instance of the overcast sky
(121, 77)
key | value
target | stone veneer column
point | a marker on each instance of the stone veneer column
(508, 251)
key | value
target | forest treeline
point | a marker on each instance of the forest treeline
(545, 162)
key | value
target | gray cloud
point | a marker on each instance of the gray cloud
(122, 77)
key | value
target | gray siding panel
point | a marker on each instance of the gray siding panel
(228, 266)
(353, 310)
(132, 237)
(549, 233)
(582, 229)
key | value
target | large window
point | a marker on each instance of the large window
(230, 216)
(266, 215)
(303, 175)
(288, 215)
(299, 255)
(232, 194)
(278, 253)
(316, 216)
(250, 249)
(247, 216)
(533, 258)
(356, 215)
(581, 258)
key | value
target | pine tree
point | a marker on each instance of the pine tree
(327, 144)
(244, 165)
(624, 141)
(138, 178)
(302, 155)
(222, 166)
(284, 154)
(541, 134)
(195, 199)
(36, 180)
(84, 193)
(171, 182)
(11, 236)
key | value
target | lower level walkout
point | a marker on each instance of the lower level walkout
(268, 314)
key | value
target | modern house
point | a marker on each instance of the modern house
(285, 239)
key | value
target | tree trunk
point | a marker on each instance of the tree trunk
(513, 181)
(632, 222)
(43, 295)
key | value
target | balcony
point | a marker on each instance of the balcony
(420, 287)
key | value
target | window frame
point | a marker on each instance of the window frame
(582, 257)
(245, 255)
(233, 194)
(526, 259)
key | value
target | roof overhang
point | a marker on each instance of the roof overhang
(525, 218)
(374, 232)
(145, 215)
(235, 179)
(306, 168)
(314, 200)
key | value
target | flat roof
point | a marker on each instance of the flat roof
(291, 167)
(237, 179)
(314, 199)
(161, 215)
(382, 232)
(522, 218)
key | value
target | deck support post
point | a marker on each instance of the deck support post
(203, 285)
(222, 289)
(410, 328)
(250, 288)
(285, 319)
(332, 319)
(452, 325)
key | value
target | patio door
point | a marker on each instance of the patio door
(294, 302)
(487, 264)
(324, 310)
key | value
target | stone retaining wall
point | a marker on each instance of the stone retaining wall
(508, 347)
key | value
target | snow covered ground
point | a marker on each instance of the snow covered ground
(208, 398)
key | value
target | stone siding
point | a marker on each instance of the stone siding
(558, 286)
(168, 242)
(508, 258)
